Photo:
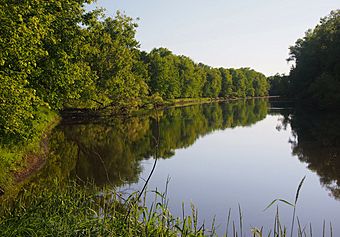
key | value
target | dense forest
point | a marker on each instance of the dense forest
(315, 77)
(56, 55)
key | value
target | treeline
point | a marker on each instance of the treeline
(55, 54)
(173, 76)
(315, 78)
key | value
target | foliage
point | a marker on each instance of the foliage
(20, 48)
(213, 83)
(279, 85)
(61, 74)
(227, 83)
(315, 78)
(164, 74)
(58, 55)
(75, 210)
(13, 151)
(38, 65)
(114, 60)
(175, 77)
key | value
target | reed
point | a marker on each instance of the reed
(74, 210)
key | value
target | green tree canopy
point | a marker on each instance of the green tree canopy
(315, 78)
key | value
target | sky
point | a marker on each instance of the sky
(225, 33)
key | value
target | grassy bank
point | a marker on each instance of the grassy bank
(76, 211)
(192, 101)
(159, 103)
(19, 159)
(73, 210)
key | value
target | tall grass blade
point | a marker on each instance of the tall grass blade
(240, 215)
(298, 190)
(299, 228)
(228, 222)
(278, 200)
(323, 229)
(213, 230)
(295, 202)
(331, 228)
(234, 230)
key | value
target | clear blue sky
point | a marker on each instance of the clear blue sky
(225, 33)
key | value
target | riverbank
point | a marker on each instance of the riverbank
(19, 160)
(193, 101)
(73, 210)
(148, 105)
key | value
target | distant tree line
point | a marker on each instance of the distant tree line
(55, 54)
(315, 77)
(173, 76)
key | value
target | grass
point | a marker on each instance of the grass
(192, 101)
(12, 154)
(74, 210)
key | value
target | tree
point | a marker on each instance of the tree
(61, 75)
(317, 61)
(190, 84)
(57, 55)
(23, 26)
(239, 82)
(213, 83)
(39, 51)
(227, 83)
(279, 85)
(115, 59)
(164, 73)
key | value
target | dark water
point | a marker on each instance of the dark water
(218, 156)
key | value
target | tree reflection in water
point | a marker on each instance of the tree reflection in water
(111, 151)
(317, 143)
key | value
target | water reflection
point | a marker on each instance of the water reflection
(110, 152)
(316, 141)
(242, 161)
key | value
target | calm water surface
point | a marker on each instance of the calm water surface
(216, 156)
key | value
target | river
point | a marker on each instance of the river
(216, 156)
